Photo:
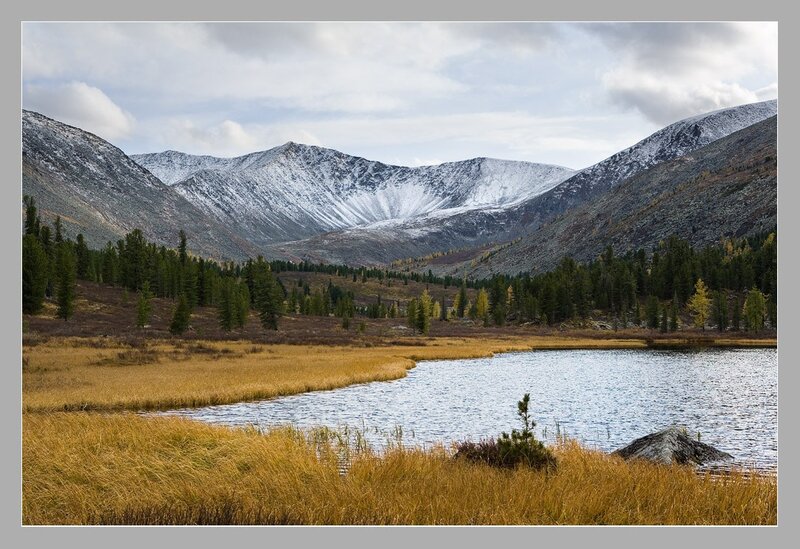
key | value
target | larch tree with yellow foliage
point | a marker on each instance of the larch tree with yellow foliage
(482, 306)
(700, 304)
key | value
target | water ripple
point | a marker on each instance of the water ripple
(604, 399)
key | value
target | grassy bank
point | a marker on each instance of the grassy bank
(88, 468)
(106, 374)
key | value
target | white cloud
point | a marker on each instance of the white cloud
(513, 134)
(671, 71)
(668, 100)
(560, 93)
(81, 105)
(344, 67)
(228, 138)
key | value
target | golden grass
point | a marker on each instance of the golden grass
(100, 374)
(88, 468)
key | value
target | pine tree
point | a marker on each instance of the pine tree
(65, 282)
(35, 268)
(143, 306)
(700, 304)
(180, 317)
(755, 309)
(443, 310)
(664, 323)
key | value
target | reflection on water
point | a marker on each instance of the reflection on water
(604, 399)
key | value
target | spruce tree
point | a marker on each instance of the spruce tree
(82, 257)
(268, 297)
(65, 282)
(59, 236)
(736, 320)
(721, 310)
(461, 299)
(180, 317)
(182, 256)
(673, 315)
(32, 221)
(143, 305)
(225, 305)
(651, 312)
(35, 269)
(664, 323)
(243, 305)
(411, 314)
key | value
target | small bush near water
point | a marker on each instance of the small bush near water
(519, 448)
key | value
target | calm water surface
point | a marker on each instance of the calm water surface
(604, 399)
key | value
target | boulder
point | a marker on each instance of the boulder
(672, 445)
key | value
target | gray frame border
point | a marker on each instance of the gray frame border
(621, 10)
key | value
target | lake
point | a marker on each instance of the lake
(602, 398)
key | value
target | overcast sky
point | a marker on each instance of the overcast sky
(404, 93)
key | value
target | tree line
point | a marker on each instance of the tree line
(641, 288)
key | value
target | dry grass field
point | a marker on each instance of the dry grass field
(87, 459)
(90, 468)
(63, 374)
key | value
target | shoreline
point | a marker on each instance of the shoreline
(97, 374)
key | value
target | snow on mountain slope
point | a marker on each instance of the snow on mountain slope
(100, 192)
(297, 191)
(670, 142)
(457, 228)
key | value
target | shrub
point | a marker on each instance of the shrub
(518, 448)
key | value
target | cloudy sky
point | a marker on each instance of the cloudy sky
(403, 93)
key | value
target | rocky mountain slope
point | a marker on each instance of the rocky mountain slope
(725, 189)
(100, 192)
(296, 191)
(384, 242)
(304, 202)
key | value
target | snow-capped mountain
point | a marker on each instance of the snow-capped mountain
(671, 142)
(382, 242)
(727, 188)
(100, 192)
(296, 191)
(307, 202)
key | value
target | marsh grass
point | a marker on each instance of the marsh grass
(86, 373)
(90, 468)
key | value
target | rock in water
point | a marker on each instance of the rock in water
(672, 445)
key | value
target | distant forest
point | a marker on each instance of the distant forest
(730, 285)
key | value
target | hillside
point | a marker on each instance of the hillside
(100, 192)
(387, 241)
(725, 189)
